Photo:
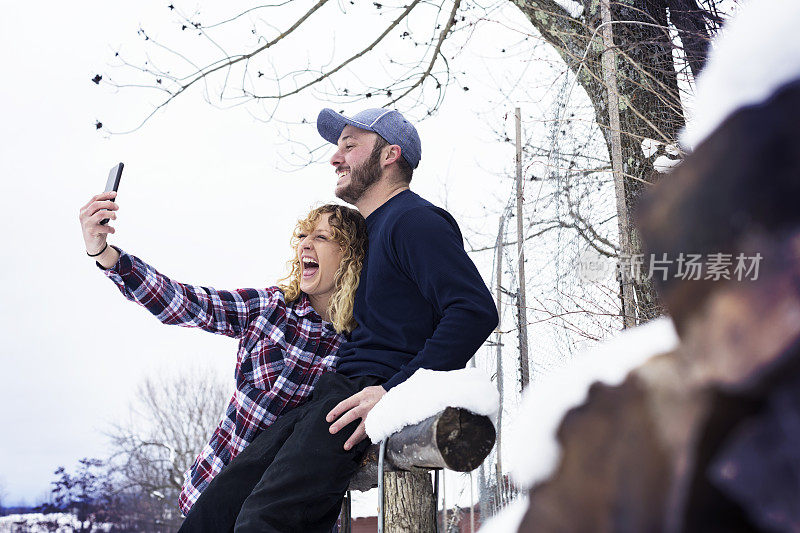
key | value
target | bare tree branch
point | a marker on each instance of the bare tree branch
(349, 60)
(436, 52)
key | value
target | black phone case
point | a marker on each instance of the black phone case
(112, 184)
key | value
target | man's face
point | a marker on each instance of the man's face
(358, 166)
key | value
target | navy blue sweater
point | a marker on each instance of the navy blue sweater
(421, 302)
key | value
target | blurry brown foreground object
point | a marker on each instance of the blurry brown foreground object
(706, 438)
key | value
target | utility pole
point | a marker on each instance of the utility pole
(522, 310)
(444, 504)
(499, 344)
(609, 62)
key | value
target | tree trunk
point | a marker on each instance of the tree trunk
(650, 106)
(409, 504)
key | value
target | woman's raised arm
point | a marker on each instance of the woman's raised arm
(222, 312)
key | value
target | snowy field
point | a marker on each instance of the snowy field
(38, 522)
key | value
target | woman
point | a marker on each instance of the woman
(288, 334)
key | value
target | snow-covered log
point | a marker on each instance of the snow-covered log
(454, 438)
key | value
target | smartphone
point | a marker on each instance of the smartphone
(112, 184)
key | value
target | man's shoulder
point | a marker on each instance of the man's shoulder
(424, 224)
(415, 210)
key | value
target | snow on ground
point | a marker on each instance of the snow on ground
(428, 392)
(757, 52)
(533, 448)
(42, 523)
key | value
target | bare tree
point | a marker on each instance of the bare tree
(172, 418)
(88, 495)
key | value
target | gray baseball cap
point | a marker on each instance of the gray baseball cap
(387, 123)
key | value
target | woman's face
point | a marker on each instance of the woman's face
(319, 255)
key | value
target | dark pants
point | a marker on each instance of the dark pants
(292, 477)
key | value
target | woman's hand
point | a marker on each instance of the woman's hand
(95, 234)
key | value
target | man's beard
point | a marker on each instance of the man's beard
(362, 177)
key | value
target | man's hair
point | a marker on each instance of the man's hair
(406, 172)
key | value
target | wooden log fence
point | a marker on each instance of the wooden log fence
(455, 439)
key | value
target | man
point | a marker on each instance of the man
(421, 303)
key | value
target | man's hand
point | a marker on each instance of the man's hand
(356, 406)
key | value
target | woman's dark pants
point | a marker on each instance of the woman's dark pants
(292, 477)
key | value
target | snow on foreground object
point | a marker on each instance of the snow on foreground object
(509, 519)
(533, 449)
(757, 52)
(428, 392)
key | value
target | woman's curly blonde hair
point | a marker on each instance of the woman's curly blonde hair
(350, 231)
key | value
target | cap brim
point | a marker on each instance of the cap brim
(330, 125)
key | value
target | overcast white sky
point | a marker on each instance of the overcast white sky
(203, 198)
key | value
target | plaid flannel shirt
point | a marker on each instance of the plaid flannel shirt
(283, 350)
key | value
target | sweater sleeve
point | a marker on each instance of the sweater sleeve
(430, 251)
(222, 312)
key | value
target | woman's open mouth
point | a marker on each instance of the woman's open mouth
(310, 267)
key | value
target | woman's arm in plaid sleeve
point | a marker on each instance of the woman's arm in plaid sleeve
(222, 312)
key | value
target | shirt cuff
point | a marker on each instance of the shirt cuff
(117, 268)
(395, 380)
